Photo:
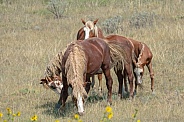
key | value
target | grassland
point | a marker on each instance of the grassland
(30, 36)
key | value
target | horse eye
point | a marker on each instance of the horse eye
(52, 87)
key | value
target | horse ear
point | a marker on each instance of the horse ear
(43, 81)
(83, 21)
(95, 21)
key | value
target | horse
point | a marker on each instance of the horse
(79, 63)
(93, 31)
(141, 54)
(52, 77)
(80, 37)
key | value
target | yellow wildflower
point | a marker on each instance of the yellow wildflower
(57, 121)
(76, 116)
(138, 120)
(69, 120)
(5, 121)
(9, 110)
(110, 115)
(14, 115)
(18, 113)
(1, 115)
(34, 118)
(79, 120)
(108, 109)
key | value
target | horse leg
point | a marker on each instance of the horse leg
(135, 90)
(149, 66)
(129, 72)
(120, 80)
(109, 82)
(63, 95)
(100, 83)
(125, 81)
(88, 84)
(93, 81)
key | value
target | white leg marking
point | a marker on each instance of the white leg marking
(80, 104)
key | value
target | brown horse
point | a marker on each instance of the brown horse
(81, 60)
(141, 54)
(82, 36)
(90, 30)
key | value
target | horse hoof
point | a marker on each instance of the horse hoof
(109, 103)
(153, 93)
(135, 93)
(57, 106)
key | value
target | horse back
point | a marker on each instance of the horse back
(97, 52)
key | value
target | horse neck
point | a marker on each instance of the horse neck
(100, 33)
(54, 67)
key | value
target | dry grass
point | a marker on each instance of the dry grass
(30, 37)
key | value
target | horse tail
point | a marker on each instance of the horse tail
(117, 56)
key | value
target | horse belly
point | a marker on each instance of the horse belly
(94, 66)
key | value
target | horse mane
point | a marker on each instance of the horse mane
(141, 53)
(54, 66)
(74, 68)
(117, 56)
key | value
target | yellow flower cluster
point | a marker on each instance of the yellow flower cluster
(1, 115)
(9, 111)
(109, 112)
(34, 118)
(77, 117)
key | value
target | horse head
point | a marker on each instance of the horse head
(54, 83)
(90, 29)
(139, 70)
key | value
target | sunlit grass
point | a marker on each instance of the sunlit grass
(30, 36)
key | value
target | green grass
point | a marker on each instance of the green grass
(30, 36)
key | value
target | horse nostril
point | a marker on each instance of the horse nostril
(81, 113)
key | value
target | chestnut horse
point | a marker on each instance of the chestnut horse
(81, 60)
(90, 30)
(141, 54)
(82, 36)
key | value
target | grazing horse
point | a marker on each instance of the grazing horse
(89, 31)
(52, 78)
(141, 54)
(81, 60)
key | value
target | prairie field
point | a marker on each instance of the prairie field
(31, 35)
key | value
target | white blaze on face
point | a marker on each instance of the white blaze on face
(86, 30)
(138, 72)
(80, 104)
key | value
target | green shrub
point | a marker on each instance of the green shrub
(142, 19)
(57, 7)
(112, 25)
